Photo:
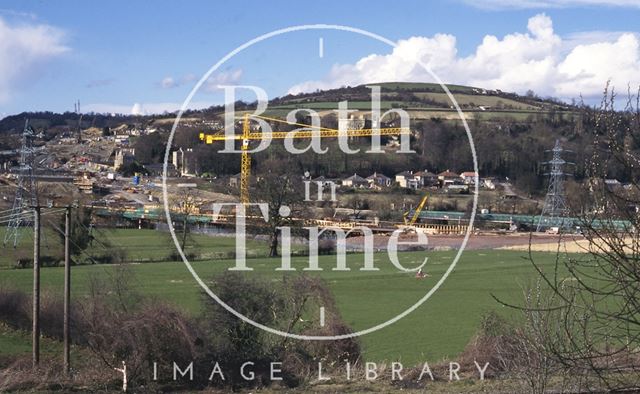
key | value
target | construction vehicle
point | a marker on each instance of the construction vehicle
(416, 212)
(308, 132)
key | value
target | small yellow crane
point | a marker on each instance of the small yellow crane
(310, 131)
(416, 213)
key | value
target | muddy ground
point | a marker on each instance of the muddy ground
(517, 241)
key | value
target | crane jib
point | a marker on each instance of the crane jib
(304, 134)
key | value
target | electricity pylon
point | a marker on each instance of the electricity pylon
(26, 191)
(308, 132)
(555, 207)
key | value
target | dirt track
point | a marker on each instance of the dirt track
(542, 242)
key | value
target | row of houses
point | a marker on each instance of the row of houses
(405, 179)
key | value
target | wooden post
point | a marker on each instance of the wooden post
(36, 287)
(67, 289)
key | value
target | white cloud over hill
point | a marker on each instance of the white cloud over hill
(538, 59)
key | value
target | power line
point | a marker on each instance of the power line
(26, 191)
(74, 243)
(555, 207)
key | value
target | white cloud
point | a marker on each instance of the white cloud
(538, 59)
(144, 108)
(19, 14)
(527, 4)
(23, 49)
(222, 78)
(228, 77)
(168, 83)
(586, 67)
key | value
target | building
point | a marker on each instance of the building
(124, 157)
(468, 177)
(378, 180)
(448, 177)
(489, 183)
(351, 123)
(407, 180)
(234, 180)
(426, 178)
(185, 162)
(355, 180)
(324, 181)
(612, 184)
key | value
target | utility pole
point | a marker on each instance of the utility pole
(36, 287)
(67, 289)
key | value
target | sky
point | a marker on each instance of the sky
(146, 57)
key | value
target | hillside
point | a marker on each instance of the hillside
(428, 100)
(511, 132)
(421, 100)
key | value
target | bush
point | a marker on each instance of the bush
(15, 311)
(489, 343)
(51, 315)
(117, 325)
(114, 324)
(326, 246)
(15, 308)
(279, 306)
(23, 262)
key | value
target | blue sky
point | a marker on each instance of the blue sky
(112, 55)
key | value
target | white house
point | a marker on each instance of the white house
(407, 180)
(448, 177)
(468, 177)
(355, 180)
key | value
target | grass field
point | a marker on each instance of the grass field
(467, 99)
(139, 245)
(19, 343)
(437, 330)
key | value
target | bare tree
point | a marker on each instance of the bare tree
(282, 190)
(597, 293)
(525, 354)
(185, 202)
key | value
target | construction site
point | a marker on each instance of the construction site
(82, 169)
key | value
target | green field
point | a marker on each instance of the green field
(476, 99)
(437, 330)
(138, 246)
(15, 342)
(333, 105)
(425, 86)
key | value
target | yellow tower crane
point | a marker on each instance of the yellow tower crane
(311, 131)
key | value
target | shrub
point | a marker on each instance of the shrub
(489, 343)
(326, 246)
(15, 308)
(278, 305)
(117, 325)
(113, 323)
